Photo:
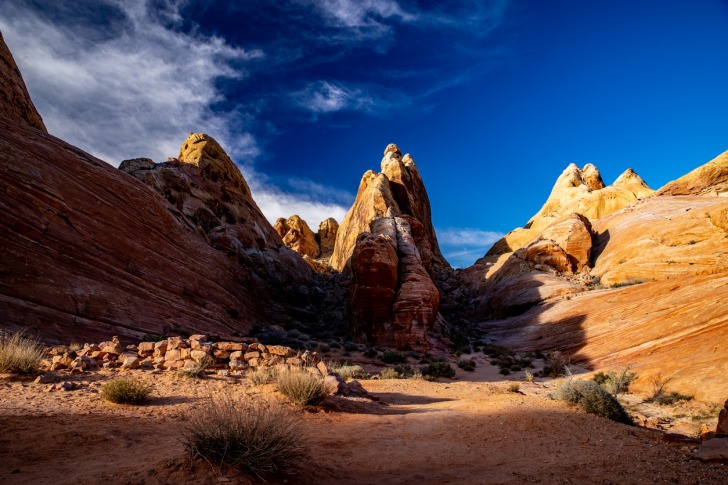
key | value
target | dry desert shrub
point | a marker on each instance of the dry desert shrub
(257, 438)
(593, 399)
(261, 375)
(348, 371)
(20, 354)
(555, 364)
(125, 391)
(301, 386)
(616, 381)
(198, 371)
(389, 373)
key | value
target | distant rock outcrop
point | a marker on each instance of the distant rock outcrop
(15, 102)
(575, 191)
(710, 179)
(296, 234)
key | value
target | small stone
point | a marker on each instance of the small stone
(714, 449)
(333, 384)
(231, 346)
(280, 350)
(130, 362)
(251, 355)
(45, 378)
(322, 368)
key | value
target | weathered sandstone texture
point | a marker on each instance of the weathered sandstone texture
(710, 179)
(296, 234)
(15, 102)
(397, 190)
(662, 237)
(575, 191)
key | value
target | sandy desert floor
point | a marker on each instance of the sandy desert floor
(470, 430)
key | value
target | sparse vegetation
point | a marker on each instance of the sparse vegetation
(467, 365)
(528, 376)
(616, 381)
(406, 371)
(514, 387)
(301, 386)
(198, 371)
(254, 437)
(126, 391)
(389, 373)
(555, 365)
(348, 371)
(437, 369)
(593, 399)
(669, 398)
(20, 354)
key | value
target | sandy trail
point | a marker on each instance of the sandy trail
(466, 432)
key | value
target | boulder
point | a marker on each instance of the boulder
(723, 420)
(715, 449)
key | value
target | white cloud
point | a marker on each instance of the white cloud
(275, 203)
(361, 13)
(463, 246)
(328, 97)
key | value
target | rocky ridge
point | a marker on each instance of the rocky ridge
(15, 102)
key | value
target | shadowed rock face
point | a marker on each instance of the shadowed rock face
(15, 102)
(327, 236)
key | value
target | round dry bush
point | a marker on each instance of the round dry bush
(593, 399)
(302, 387)
(125, 391)
(20, 354)
(257, 438)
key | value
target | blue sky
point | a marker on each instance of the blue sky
(493, 99)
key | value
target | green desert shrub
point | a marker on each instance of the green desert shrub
(593, 399)
(668, 398)
(437, 369)
(257, 438)
(20, 354)
(125, 391)
(467, 365)
(301, 386)
(406, 371)
(393, 357)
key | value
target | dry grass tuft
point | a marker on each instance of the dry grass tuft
(20, 354)
(257, 438)
(301, 386)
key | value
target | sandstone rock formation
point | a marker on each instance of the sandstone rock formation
(723, 420)
(392, 300)
(15, 102)
(296, 234)
(326, 236)
(397, 190)
(575, 191)
(89, 251)
(709, 179)
(673, 329)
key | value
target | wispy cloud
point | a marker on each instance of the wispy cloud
(135, 92)
(362, 13)
(328, 97)
(463, 246)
